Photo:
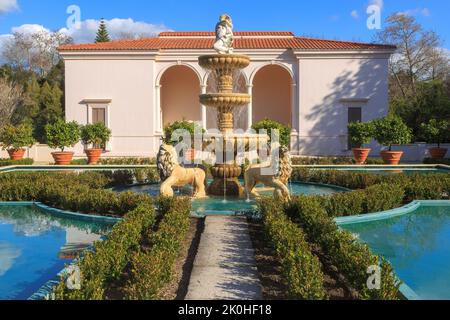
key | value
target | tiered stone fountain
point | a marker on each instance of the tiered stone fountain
(223, 65)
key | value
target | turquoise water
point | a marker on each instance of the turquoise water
(220, 205)
(417, 245)
(35, 246)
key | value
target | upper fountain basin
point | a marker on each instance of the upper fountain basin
(224, 100)
(218, 61)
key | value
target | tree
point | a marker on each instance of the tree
(50, 109)
(436, 131)
(102, 33)
(11, 97)
(390, 131)
(417, 58)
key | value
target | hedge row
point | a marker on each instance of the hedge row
(152, 269)
(69, 191)
(313, 161)
(118, 161)
(437, 161)
(301, 269)
(416, 186)
(104, 264)
(376, 198)
(341, 248)
(23, 162)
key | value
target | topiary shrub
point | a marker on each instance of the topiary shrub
(436, 131)
(17, 137)
(62, 134)
(269, 125)
(96, 135)
(360, 133)
(189, 126)
(391, 130)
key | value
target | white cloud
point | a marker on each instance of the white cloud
(8, 6)
(355, 14)
(379, 3)
(85, 31)
(417, 12)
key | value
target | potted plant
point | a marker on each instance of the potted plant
(184, 125)
(96, 136)
(388, 132)
(360, 133)
(61, 135)
(14, 139)
(269, 125)
(436, 132)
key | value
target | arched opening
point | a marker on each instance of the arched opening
(180, 89)
(240, 114)
(272, 95)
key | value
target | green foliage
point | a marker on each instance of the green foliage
(102, 33)
(432, 101)
(313, 161)
(105, 263)
(50, 108)
(437, 161)
(96, 134)
(392, 130)
(62, 134)
(351, 257)
(301, 269)
(152, 269)
(436, 131)
(23, 162)
(184, 125)
(17, 137)
(269, 125)
(360, 133)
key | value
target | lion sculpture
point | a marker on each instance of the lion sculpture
(279, 181)
(174, 175)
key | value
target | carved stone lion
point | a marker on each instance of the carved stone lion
(174, 175)
(257, 174)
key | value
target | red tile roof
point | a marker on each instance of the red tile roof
(243, 40)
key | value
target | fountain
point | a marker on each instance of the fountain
(223, 65)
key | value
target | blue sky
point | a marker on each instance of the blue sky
(334, 19)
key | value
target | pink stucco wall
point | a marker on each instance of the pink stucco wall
(180, 95)
(272, 95)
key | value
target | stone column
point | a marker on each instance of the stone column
(204, 114)
(250, 107)
(158, 111)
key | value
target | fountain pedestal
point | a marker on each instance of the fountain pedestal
(225, 172)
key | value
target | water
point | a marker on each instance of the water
(213, 205)
(417, 245)
(35, 247)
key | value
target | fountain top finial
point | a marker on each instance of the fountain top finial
(224, 35)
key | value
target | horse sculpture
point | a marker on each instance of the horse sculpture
(174, 175)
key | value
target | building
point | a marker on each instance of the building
(316, 86)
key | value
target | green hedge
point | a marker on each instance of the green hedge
(69, 191)
(350, 257)
(152, 269)
(104, 264)
(314, 161)
(23, 162)
(376, 198)
(118, 161)
(302, 270)
(437, 161)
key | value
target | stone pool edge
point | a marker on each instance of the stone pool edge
(405, 290)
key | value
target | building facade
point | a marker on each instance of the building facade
(316, 86)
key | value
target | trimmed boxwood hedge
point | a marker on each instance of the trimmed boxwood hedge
(313, 161)
(152, 268)
(301, 269)
(350, 257)
(23, 162)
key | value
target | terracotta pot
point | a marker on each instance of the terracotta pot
(16, 154)
(93, 155)
(391, 157)
(361, 155)
(438, 153)
(62, 158)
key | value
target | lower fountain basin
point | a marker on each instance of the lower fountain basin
(224, 100)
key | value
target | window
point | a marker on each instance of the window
(99, 115)
(354, 115)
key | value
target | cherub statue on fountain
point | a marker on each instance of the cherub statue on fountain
(224, 35)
